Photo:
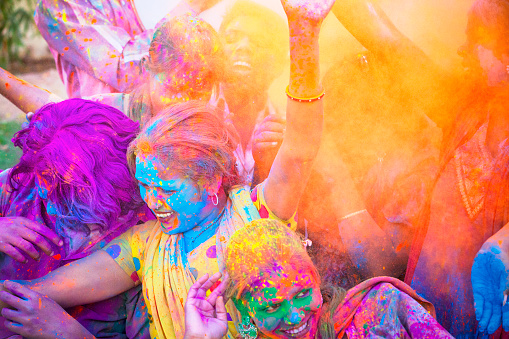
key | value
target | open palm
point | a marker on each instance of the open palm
(206, 317)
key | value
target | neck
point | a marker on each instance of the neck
(245, 108)
(207, 227)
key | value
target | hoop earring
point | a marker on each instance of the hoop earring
(217, 199)
(247, 330)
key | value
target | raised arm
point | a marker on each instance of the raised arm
(304, 119)
(369, 24)
(26, 96)
(93, 36)
(424, 81)
(88, 280)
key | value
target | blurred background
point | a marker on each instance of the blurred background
(436, 26)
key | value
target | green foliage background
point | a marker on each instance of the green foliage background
(16, 17)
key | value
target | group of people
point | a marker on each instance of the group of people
(168, 198)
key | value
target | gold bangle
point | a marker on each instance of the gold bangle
(352, 214)
(294, 98)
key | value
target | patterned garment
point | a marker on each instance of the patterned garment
(455, 234)
(123, 316)
(97, 44)
(385, 307)
(139, 258)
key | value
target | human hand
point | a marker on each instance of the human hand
(490, 286)
(20, 237)
(206, 316)
(314, 11)
(33, 315)
(267, 136)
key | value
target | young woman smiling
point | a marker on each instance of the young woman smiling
(276, 289)
(184, 162)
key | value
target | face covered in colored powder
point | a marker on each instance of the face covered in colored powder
(249, 55)
(286, 304)
(482, 55)
(178, 202)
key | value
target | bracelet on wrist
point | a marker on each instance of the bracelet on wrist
(311, 99)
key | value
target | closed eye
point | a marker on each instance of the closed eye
(273, 308)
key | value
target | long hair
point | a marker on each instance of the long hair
(76, 150)
(193, 140)
(190, 52)
(264, 246)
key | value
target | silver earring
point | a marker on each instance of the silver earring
(217, 199)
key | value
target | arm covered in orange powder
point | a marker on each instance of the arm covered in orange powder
(26, 96)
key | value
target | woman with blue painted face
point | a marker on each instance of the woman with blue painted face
(184, 163)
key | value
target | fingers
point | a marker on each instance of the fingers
(21, 244)
(273, 123)
(268, 136)
(218, 291)
(221, 309)
(11, 300)
(486, 315)
(12, 315)
(270, 126)
(264, 146)
(496, 317)
(13, 327)
(193, 291)
(25, 237)
(208, 284)
(478, 305)
(19, 290)
(505, 317)
(45, 232)
(12, 252)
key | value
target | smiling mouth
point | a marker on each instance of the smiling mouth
(298, 331)
(163, 217)
(242, 64)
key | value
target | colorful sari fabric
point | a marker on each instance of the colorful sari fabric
(385, 307)
(159, 261)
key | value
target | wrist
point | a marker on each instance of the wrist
(303, 29)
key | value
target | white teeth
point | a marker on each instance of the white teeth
(164, 215)
(297, 330)
(242, 63)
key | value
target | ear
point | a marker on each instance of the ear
(214, 185)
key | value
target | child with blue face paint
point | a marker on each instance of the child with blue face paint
(184, 162)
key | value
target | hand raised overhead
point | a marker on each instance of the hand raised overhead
(312, 10)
